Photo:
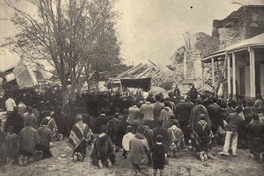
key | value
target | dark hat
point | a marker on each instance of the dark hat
(202, 117)
(159, 138)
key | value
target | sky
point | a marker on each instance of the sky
(153, 29)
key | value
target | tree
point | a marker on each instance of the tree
(65, 33)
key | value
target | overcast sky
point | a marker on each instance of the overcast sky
(153, 29)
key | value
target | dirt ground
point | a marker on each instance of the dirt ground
(57, 166)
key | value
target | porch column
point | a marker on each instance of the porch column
(252, 73)
(213, 72)
(234, 75)
(228, 77)
(202, 76)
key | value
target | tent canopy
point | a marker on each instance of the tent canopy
(144, 83)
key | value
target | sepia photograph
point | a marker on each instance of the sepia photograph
(131, 87)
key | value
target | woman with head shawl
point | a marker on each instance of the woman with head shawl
(103, 151)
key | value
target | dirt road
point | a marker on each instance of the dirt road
(56, 166)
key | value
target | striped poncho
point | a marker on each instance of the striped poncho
(79, 132)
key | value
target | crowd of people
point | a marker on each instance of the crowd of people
(148, 131)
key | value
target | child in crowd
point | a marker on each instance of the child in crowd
(11, 142)
(158, 155)
(126, 140)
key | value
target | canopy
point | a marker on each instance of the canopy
(144, 83)
(257, 41)
(24, 76)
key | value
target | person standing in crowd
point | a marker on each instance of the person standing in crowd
(175, 139)
(53, 127)
(103, 151)
(260, 114)
(193, 93)
(147, 111)
(182, 113)
(139, 151)
(9, 105)
(134, 117)
(255, 131)
(165, 115)
(125, 141)
(201, 138)
(248, 112)
(45, 137)
(158, 155)
(159, 130)
(28, 140)
(80, 136)
(148, 133)
(259, 101)
(120, 132)
(158, 106)
(100, 121)
(30, 117)
(234, 121)
(177, 92)
(22, 108)
(171, 104)
(174, 99)
(62, 121)
(12, 146)
(15, 120)
(195, 114)
(214, 111)
(112, 127)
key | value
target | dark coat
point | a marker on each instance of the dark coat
(195, 113)
(139, 150)
(214, 111)
(183, 111)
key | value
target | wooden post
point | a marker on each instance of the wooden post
(252, 73)
(213, 72)
(202, 76)
(234, 74)
(228, 77)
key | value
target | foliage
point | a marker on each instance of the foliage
(70, 35)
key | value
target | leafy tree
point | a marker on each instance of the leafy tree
(71, 35)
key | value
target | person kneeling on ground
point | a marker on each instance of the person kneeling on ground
(256, 133)
(201, 138)
(176, 139)
(126, 139)
(80, 136)
(45, 137)
(139, 151)
(103, 151)
(28, 140)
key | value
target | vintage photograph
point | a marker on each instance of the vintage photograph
(131, 87)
